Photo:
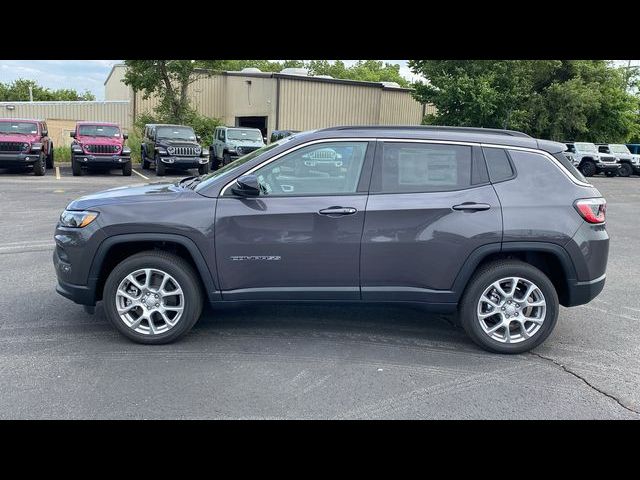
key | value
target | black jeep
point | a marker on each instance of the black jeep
(173, 146)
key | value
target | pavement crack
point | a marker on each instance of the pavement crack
(590, 385)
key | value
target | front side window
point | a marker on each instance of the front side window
(422, 167)
(330, 168)
(498, 164)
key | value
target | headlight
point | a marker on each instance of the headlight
(171, 150)
(197, 150)
(26, 147)
(77, 219)
(116, 148)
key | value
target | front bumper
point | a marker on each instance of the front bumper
(607, 167)
(101, 160)
(184, 162)
(16, 159)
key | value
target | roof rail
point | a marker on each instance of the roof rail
(492, 131)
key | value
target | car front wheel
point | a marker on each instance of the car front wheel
(153, 297)
(509, 306)
(39, 167)
(588, 168)
(625, 170)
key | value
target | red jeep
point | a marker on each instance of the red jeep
(100, 145)
(25, 143)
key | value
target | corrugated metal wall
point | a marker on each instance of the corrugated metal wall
(112, 111)
(399, 108)
(305, 105)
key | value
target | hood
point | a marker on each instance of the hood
(88, 139)
(12, 137)
(178, 143)
(129, 194)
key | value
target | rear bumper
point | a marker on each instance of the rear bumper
(16, 159)
(102, 160)
(580, 293)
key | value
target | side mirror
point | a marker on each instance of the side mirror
(125, 136)
(246, 186)
(45, 133)
(72, 134)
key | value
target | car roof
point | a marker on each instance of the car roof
(444, 133)
(166, 125)
(20, 120)
(111, 124)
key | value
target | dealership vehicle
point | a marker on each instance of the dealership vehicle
(629, 163)
(280, 134)
(230, 143)
(99, 145)
(174, 146)
(585, 157)
(25, 143)
(634, 148)
(492, 223)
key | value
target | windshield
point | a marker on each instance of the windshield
(25, 128)
(619, 149)
(229, 169)
(99, 131)
(176, 133)
(586, 147)
(239, 134)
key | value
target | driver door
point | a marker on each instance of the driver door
(300, 238)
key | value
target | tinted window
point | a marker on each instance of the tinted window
(321, 169)
(422, 167)
(569, 166)
(498, 164)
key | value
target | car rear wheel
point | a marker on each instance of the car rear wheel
(39, 167)
(143, 160)
(160, 167)
(126, 169)
(76, 168)
(226, 158)
(50, 159)
(625, 170)
(588, 168)
(509, 306)
(153, 297)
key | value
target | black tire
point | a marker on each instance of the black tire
(76, 168)
(50, 159)
(203, 169)
(144, 161)
(126, 169)
(482, 279)
(226, 158)
(625, 170)
(40, 167)
(160, 167)
(588, 168)
(175, 266)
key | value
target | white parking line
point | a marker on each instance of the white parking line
(139, 174)
(57, 173)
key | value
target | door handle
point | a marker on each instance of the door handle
(472, 207)
(338, 211)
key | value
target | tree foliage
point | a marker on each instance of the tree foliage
(557, 99)
(18, 91)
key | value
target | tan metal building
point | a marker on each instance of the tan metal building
(289, 100)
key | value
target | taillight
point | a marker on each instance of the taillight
(593, 210)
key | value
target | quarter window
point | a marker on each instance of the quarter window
(321, 169)
(498, 164)
(422, 167)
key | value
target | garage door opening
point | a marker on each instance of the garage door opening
(253, 122)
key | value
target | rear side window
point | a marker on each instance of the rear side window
(498, 164)
(422, 167)
(566, 163)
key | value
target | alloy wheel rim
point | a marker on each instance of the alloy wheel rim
(511, 310)
(150, 301)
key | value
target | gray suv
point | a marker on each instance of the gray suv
(493, 224)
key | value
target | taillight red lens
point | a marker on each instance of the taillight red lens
(593, 210)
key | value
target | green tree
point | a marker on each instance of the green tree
(556, 99)
(364, 70)
(18, 91)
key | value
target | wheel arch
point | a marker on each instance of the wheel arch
(118, 247)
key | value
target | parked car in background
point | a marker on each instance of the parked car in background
(25, 143)
(589, 161)
(230, 143)
(634, 148)
(629, 163)
(493, 223)
(99, 145)
(280, 134)
(174, 146)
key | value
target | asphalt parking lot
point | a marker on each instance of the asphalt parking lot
(365, 362)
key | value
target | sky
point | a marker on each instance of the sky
(90, 75)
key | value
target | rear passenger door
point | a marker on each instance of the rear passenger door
(430, 206)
